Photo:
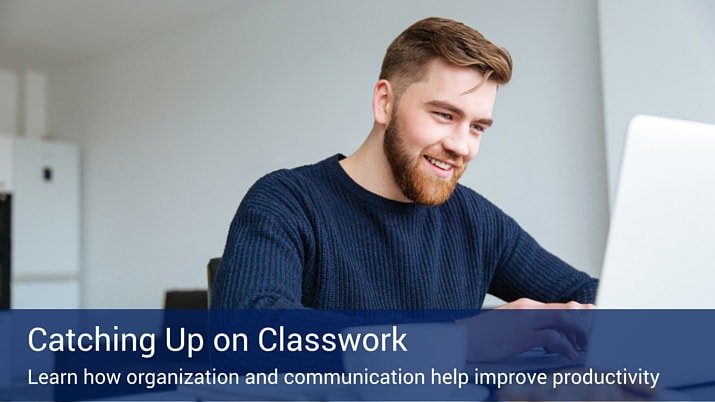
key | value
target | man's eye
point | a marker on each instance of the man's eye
(445, 116)
(478, 128)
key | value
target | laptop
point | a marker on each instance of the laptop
(660, 254)
(662, 232)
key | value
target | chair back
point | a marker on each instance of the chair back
(211, 269)
(185, 299)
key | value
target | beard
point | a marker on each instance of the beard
(417, 184)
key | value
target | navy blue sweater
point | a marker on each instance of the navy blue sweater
(312, 237)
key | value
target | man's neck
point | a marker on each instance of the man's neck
(368, 167)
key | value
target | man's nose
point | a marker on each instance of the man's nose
(458, 143)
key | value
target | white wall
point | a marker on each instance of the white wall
(176, 129)
(8, 102)
(35, 104)
(658, 57)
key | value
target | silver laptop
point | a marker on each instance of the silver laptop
(661, 243)
(660, 252)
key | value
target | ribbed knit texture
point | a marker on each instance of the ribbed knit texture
(312, 237)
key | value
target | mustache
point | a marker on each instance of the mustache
(446, 156)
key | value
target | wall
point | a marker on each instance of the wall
(658, 57)
(8, 102)
(175, 130)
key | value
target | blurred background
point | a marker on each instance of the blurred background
(168, 111)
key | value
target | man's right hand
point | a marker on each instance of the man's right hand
(558, 327)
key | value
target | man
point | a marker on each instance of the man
(389, 226)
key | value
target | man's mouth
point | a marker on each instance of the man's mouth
(439, 164)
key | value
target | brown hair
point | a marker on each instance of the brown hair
(407, 56)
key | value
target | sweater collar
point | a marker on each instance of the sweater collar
(336, 171)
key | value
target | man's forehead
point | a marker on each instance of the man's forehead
(439, 71)
(456, 89)
(456, 83)
(483, 96)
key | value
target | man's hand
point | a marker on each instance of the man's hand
(497, 335)
(529, 304)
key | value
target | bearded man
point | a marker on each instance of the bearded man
(389, 227)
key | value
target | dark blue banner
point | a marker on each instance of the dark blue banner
(357, 355)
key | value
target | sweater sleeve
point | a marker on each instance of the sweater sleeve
(525, 269)
(262, 263)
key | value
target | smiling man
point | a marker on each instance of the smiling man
(389, 226)
(428, 132)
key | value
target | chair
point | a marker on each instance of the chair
(185, 300)
(211, 269)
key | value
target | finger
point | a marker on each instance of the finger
(572, 305)
(523, 304)
(574, 323)
(575, 343)
(570, 323)
(578, 328)
(556, 342)
(583, 320)
(578, 344)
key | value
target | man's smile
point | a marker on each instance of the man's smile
(440, 168)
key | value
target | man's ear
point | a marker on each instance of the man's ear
(382, 102)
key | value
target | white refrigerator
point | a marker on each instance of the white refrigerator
(39, 198)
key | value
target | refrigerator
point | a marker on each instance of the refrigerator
(39, 224)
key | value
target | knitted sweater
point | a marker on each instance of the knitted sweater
(312, 237)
